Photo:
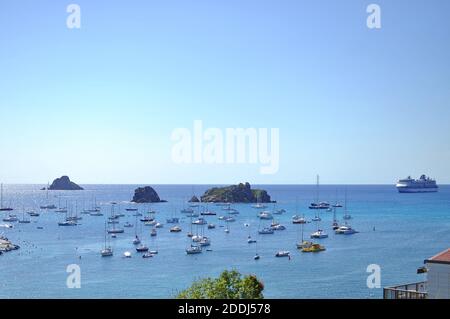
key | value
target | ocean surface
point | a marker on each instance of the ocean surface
(396, 232)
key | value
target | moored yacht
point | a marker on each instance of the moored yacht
(345, 230)
(319, 234)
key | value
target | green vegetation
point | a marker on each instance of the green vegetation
(241, 193)
(229, 285)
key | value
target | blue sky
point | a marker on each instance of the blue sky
(99, 103)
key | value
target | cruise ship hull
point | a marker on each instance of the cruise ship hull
(417, 190)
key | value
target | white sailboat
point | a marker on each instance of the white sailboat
(107, 250)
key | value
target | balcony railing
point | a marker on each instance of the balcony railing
(409, 291)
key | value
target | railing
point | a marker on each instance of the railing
(409, 291)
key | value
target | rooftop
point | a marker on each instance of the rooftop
(441, 258)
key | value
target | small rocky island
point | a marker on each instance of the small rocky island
(146, 195)
(64, 184)
(241, 193)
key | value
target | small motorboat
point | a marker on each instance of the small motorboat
(277, 226)
(229, 219)
(142, 249)
(95, 214)
(150, 223)
(128, 225)
(106, 252)
(131, 209)
(208, 213)
(259, 206)
(347, 217)
(153, 233)
(205, 241)
(127, 254)
(153, 252)
(282, 253)
(298, 220)
(211, 226)
(316, 219)
(136, 241)
(279, 211)
(266, 231)
(175, 229)
(251, 241)
(33, 214)
(319, 234)
(115, 231)
(147, 219)
(187, 211)
(345, 230)
(68, 223)
(147, 255)
(265, 215)
(256, 257)
(200, 221)
(159, 225)
(193, 250)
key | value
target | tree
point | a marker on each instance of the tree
(229, 285)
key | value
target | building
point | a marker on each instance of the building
(437, 285)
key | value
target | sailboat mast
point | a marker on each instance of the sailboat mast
(317, 190)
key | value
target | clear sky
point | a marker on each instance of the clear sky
(99, 103)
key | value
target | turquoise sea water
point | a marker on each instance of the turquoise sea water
(408, 229)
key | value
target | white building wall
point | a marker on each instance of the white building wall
(438, 281)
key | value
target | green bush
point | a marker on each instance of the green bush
(229, 285)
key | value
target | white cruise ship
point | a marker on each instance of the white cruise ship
(422, 185)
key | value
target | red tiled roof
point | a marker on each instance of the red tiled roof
(442, 257)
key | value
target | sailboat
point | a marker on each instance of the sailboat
(317, 204)
(3, 209)
(47, 205)
(259, 205)
(67, 222)
(61, 209)
(335, 224)
(114, 230)
(23, 220)
(107, 251)
(303, 243)
(346, 216)
(136, 240)
(319, 233)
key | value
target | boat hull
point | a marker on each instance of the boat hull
(417, 189)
